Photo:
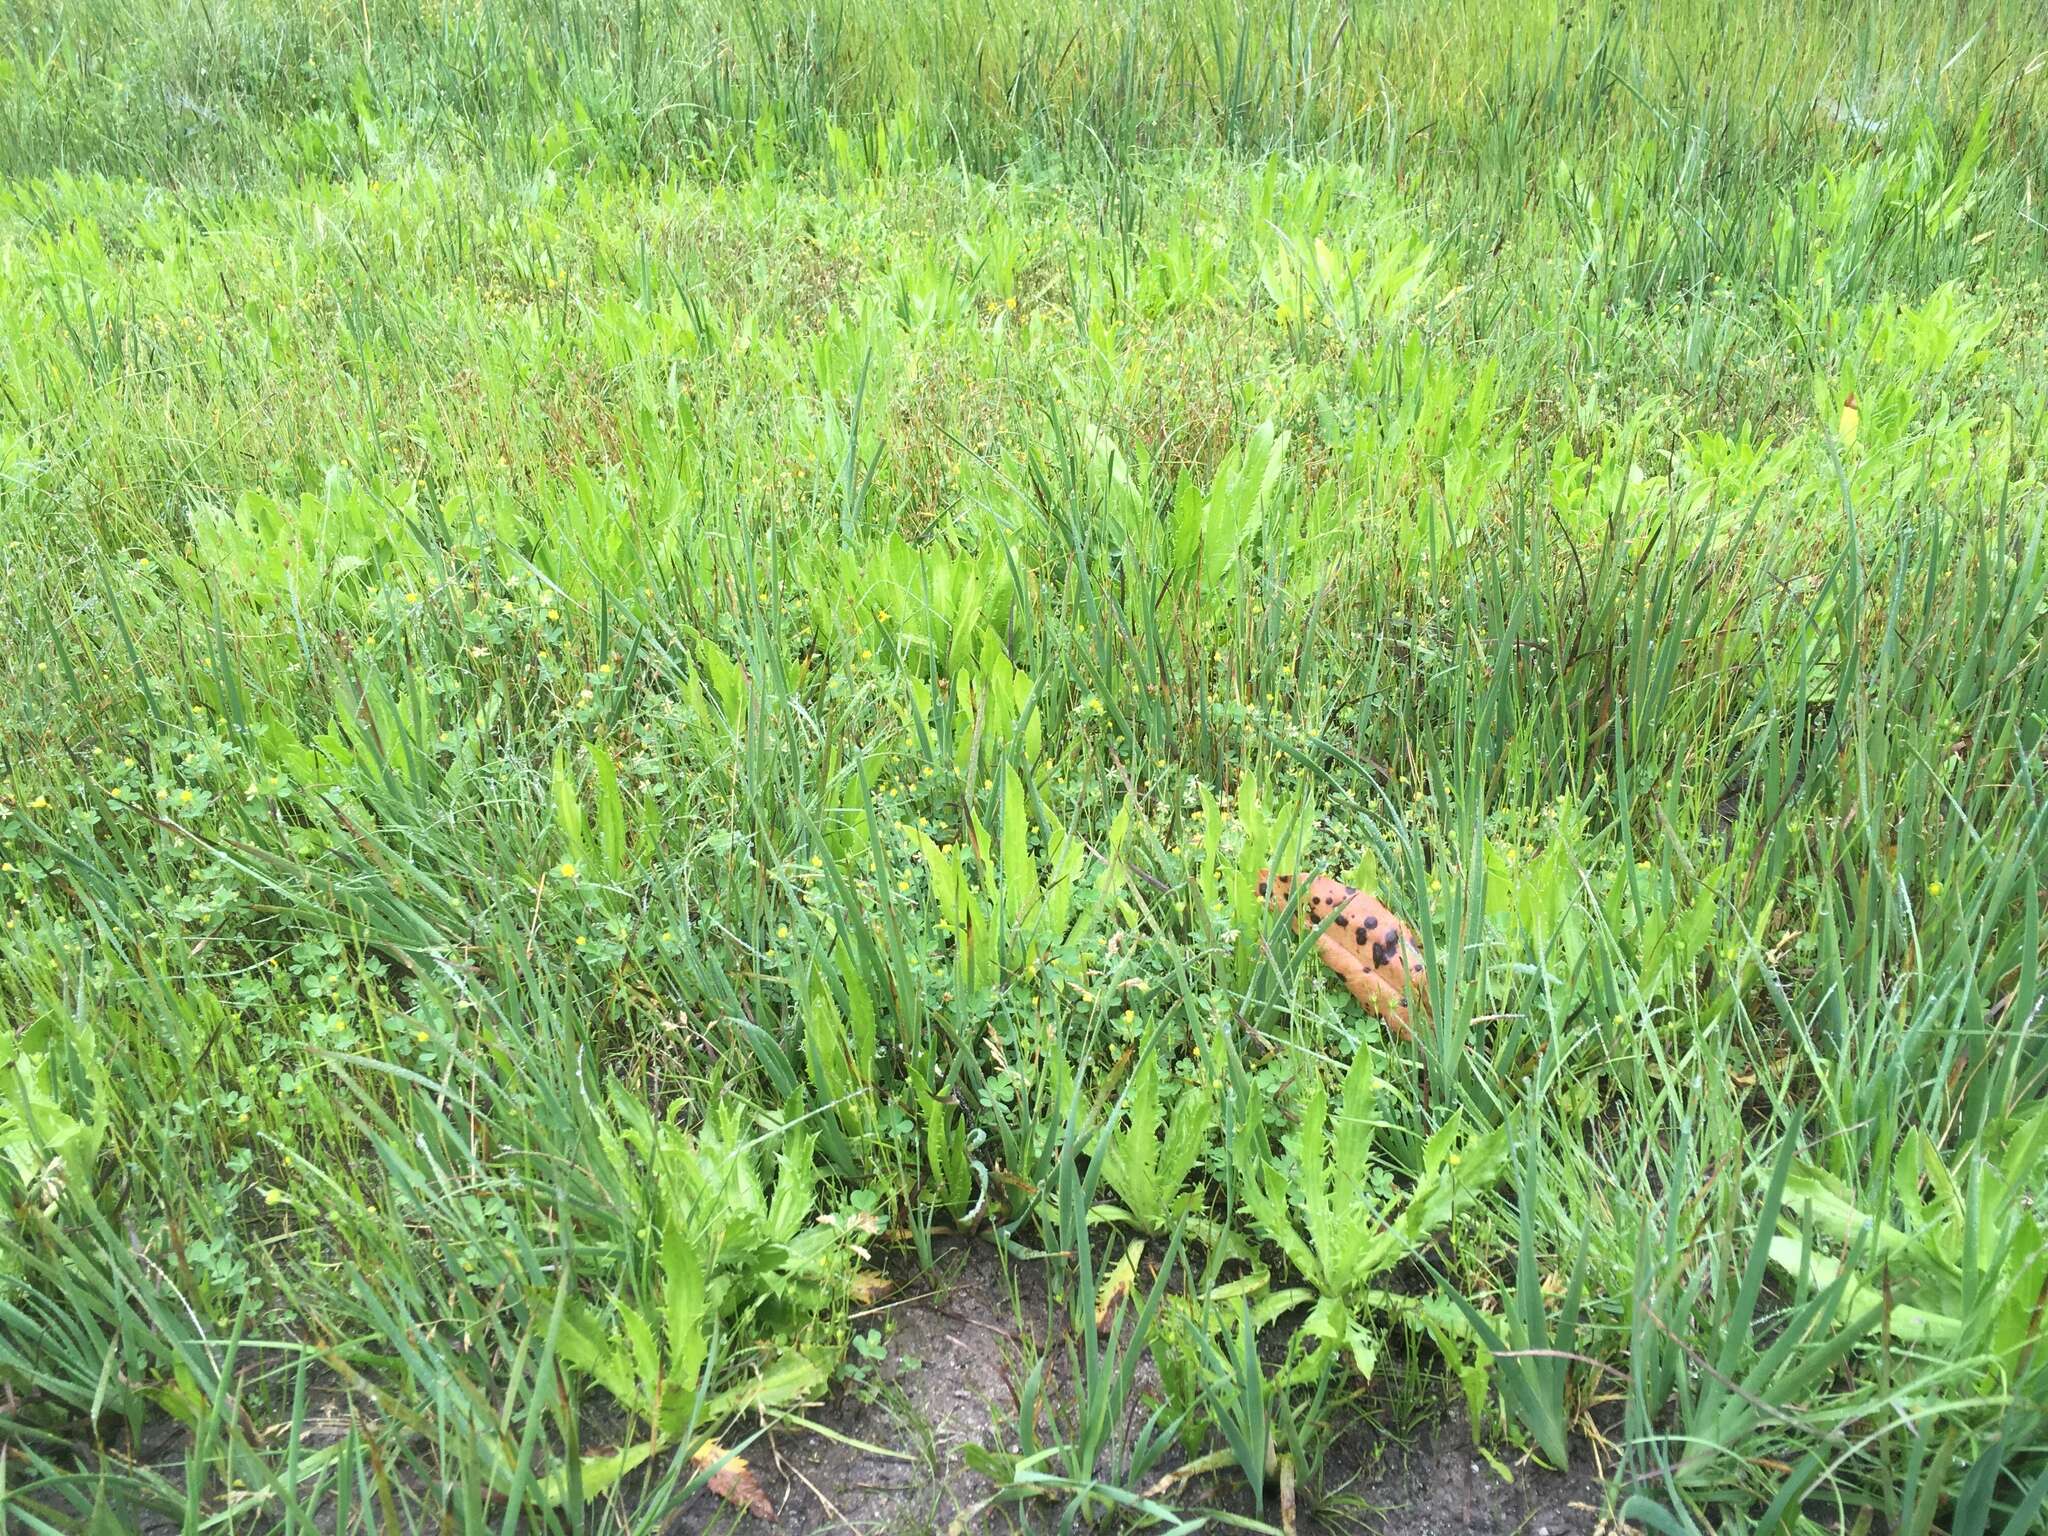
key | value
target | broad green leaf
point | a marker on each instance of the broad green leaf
(949, 885)
(1908, 1323)
(568, 809)
(1020, 874)
(1813, 1193)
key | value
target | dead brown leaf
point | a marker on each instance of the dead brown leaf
(734, 1481)
(1116, 1285)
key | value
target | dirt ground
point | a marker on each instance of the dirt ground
(935, 1371)
(887, 1456)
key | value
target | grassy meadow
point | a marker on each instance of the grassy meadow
(650, 654)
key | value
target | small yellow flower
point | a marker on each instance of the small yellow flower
(1934, 888)
(782, 930)
(412, 597)
(881, 615)
(581, 941)
(668, 936)
(40, 803)
(421, 1036)
(902, 885)
(567, 871)
(272, 1196)
(184, 797)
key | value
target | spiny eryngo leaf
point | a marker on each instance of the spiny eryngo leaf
(1354, 1129)
(584, 1344)
(682, 1306)
(1131, 1160)
(598, 1472)
(1148, 1171)
(1263, 1189)
(796, 1182)
(1187, 1134)
(1338, 1325)
(1453, 1172)
(638, 1338)
(1328, 1215)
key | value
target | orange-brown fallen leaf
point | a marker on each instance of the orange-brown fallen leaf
(734, 1481)
(1375, 954)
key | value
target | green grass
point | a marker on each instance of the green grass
(647, 658)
